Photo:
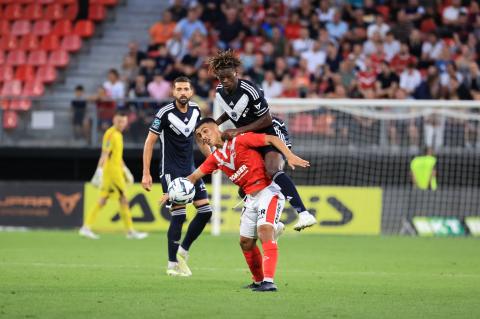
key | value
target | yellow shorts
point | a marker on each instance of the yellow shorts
(113, 183)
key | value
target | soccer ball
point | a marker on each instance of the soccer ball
(181, 191)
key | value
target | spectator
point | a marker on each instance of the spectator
(333, 58)
(326, 12)
(302, 44)
(280, 45)
(379, 26)
(178, 10)
(187, 26)
(401, 59)
(105, 109)
(289, 89)
(164, 62)
(390, 46)
(202, 84)
(231, 30)
(403, 27)
(271, 87)
(281, 69)
(147, 69)
(136, 54)
(162, 31)
(431, 49)
(451, 13)
(177, 46)
(79, 109)
(293, 27)
(387, 82)
(337, 28)
(410, 79)
(248, 55)
(159, 88)
(129, 70)
(114, 87)
(314, 57)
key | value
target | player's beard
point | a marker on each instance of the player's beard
(183, 100)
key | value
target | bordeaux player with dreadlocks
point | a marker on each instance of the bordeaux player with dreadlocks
(244, 104)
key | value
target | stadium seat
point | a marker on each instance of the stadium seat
(8, 42)
(66, 1)
(6, 73)
(37, 58)
(20, 27)
(33, 89)
(12, 88)
(96, 12)
(25, 73)
(42, 27)
(6, 1)
(2, 57)
(16, 57)
(45, 1)
(323, 124)
(105, 2)
(50, 42)
(29, 42)
(71, 12)
(10, 120)
(20, 104)
(13, 11)
(84, 28)
(25, 1)
(4, 27)
(54, 11)
(71, 43)
(46, 74)
(58, 58)
(302, 123)
(62, 28)
(33, 11)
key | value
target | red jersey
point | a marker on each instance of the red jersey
(241, 162)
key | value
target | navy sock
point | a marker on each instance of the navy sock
(197, 225)
(175, 232)
(289, 190)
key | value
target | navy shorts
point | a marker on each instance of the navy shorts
(278, 129)
(200, 190)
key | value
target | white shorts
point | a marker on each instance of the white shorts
(264, 208)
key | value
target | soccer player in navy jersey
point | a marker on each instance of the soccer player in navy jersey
(245, 106)
(175, 125)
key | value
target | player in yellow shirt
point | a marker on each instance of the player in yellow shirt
(112, 176)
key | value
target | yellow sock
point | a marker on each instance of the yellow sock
(126, 217)
(92, 215)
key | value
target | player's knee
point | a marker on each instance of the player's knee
(265, 232)
(246, 243)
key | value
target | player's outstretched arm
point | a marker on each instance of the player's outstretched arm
(195, 176)
(222, 119)
(263, 122)
(147, 160)
(292, 159)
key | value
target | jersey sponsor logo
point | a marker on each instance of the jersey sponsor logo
(239, 173)
(257, 106)
(183, 128)
(156, 124)
(238, 108)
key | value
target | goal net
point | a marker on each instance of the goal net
(422, 156)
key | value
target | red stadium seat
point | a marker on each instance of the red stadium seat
(45, 1)
(10, 120)
(50, 43)
(96, 12)
(33, 11)
(20, 27)
(62, 27)
(59, 59)
(21, 104)
(8, 42)
(13, 11)
(29, 42)
(6, 1)
(25, 73)
(84, 28)
(323, 124)
(42, 27)
(54, 11)
(33, 89)
(71, 12)
(46, 74)
(71, 43)
(2, 57)
(37, 58)
(6, 73)
(105, 2)
(302, 123)
(25, 1)
(16, 57)
(4, 27)
(66, 1)
(12, 88)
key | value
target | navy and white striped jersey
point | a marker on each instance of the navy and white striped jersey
(176, 131)
(243, 106)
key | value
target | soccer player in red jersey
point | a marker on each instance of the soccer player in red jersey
(240, 160)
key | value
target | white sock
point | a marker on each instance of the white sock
(267, 279)
(182, 251)
(172, 264)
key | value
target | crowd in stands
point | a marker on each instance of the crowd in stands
(398, 49)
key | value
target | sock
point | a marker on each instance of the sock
(254, 261)
(289, 190)
(92, 215)
(197, 225)
(270, 256)
(126, 217)
(175, 232)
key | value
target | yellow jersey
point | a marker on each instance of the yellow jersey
(113, 144)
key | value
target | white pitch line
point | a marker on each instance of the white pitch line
(334, 273)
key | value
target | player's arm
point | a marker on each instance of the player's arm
(263, 122)
(147, 160)
(222, 119)
(195, 176)
(292, 159)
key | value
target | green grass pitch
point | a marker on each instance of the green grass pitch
(60, 275)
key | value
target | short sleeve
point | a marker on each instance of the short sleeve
(251, 140)
(159, 121)
(108, 141)
(209, 165)
(257, 98)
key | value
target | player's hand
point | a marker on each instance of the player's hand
(294, 160)
(97, 177)
(229, 134)
(163, 200)
(128, 175)
(147, 182)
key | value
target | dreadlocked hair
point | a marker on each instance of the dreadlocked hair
(223, 60)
